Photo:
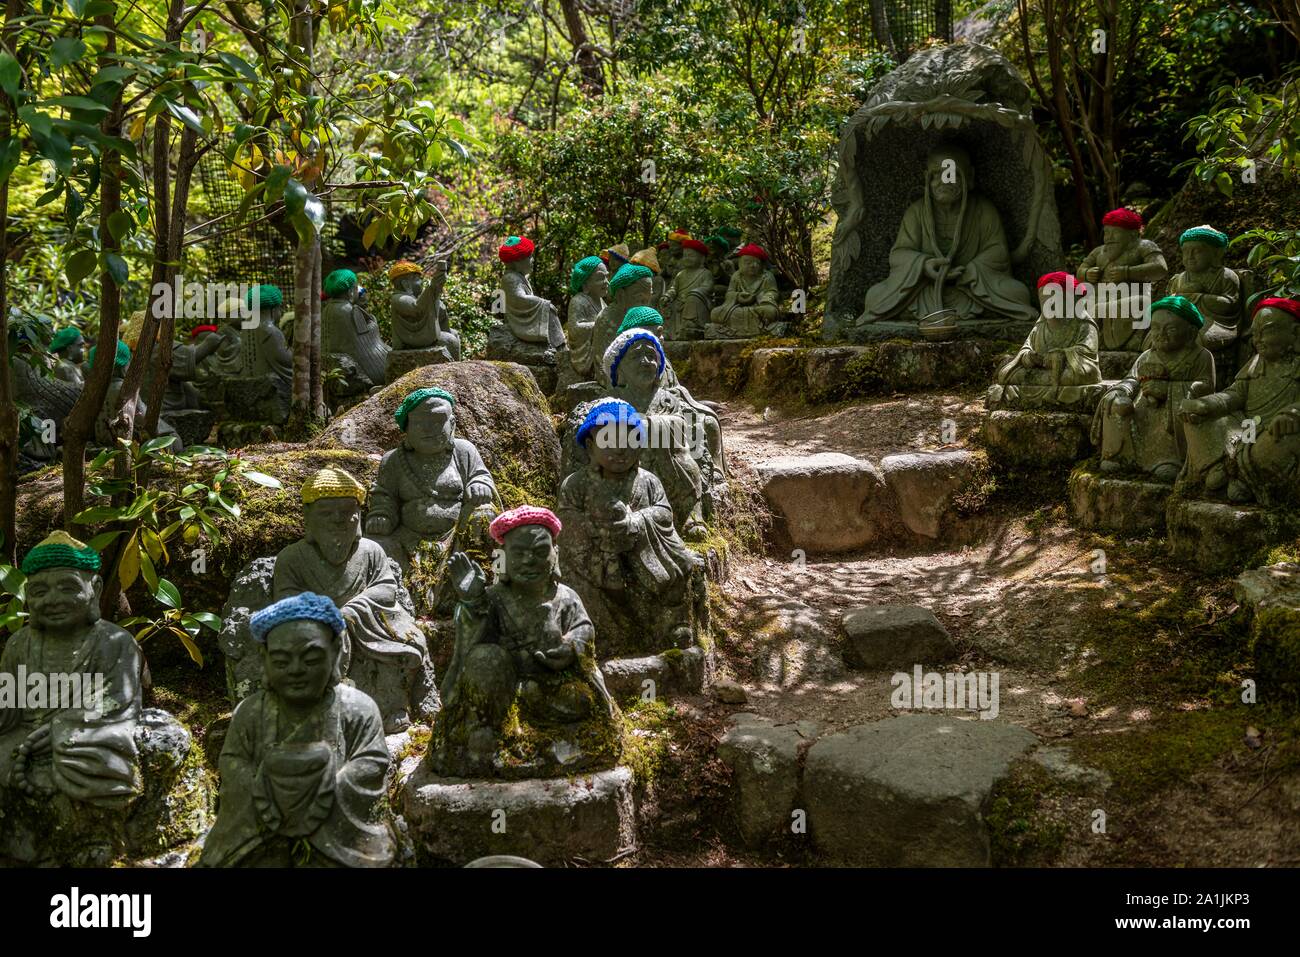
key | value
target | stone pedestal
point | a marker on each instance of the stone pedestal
(257, 400)
(1125, 504)
(1036, 440)
(765, 759)
(674, 673)
(1218, 537)
(828, 502)
(402, 361)
(895, 636)
(192, 425)
(1010, 330)
(550, 821)
(537, 357)
(1272, 596)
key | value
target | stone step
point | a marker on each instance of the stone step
(1218, 537)
(764, 758)
(895, 636)
(1128, 505)
(674, 673)
(1036, 440)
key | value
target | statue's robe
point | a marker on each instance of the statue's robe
(1268, 465)
(70, 372)
(637, 590)
(265, 353)
(226, 363)
(384, 651)
(980, 246)
(1077, 340)
(1118, 309)
(94, 758)
(1153, 435)
(747, 308)
(690, 300)
(605, 331)
(421, 322)
(318, 780)
(181, 391)
(347, 329)
(1218, 296)
(583, 313)
(422, 497)
(529, 317)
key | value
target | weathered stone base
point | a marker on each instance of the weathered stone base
(1116, 365)
(502, 346)
(1014, 330)
(765, 758)
(1271, 595)
(550, 821)
(676, 672)
(1217, 537)
(1128, 505)
(1036, 440)
(192, 425)
(256, 400)
(402, 361)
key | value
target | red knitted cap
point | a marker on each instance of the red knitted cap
(1123, 218)
(753, 249)
(523, 515)
(515, 248)
(1276, 302)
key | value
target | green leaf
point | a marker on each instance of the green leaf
(100, 542)
(185, 115)
(128, 566)
(80, 265)
(207, 619)
(167, 593)
(147, 572)
(121, 224)
(10, 74)
(10, 153)
(156, 445)
(195, 654)
(55, 148)
(117, 268)
(77, 103)
(264, 480)
(11, 579)
(96, 514)
(66, 50)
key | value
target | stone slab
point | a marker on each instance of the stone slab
(675, 673)
(710, 367)
(192, 425)
(1218, 537)
(1126, 505)
(924, 484)
(828, 502)
(550, 821)
(909, 791)
(402, 361)
(1271, 595)
(1036, 440)
(895, 636)
(764, 758)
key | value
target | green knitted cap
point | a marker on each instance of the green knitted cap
(60, 550)
(629, 274)
(339, 281)
(65, 337)
(268, 296)
(582, 271)
(1204, 234)
(1181, 306)
(414, 399)
(121, 359)
(641, 317)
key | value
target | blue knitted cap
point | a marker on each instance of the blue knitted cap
(611, 410)
(307, 606)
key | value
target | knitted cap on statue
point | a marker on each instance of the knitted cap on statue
(414, 399)
(403, 267)
(622, 343)
(332, 483)
(523, 515)
(648, 258)
(515, 248)
(641, 317)
(65, 337)
(339, 282)
(609, 412)
(307, 606)
(582, 271)
(1290, 306)
(1204, 234)
(629, 274)
(1180, 306)
(60, 550)
(1123, 218)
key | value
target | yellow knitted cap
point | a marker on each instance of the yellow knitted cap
(648, 258)
(403, 267)
(332, 483)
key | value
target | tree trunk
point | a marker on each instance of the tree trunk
(8, 408)
(592, 77)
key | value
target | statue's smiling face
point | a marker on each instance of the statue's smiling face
(528, 553)
(333, 525)
(1170, 332)
(1198, 257)
(299, 660)
(615, 448)
(751, 267)
(59, 598)
(431, 426)
(1119, 237)
(640, 367)
(691, 258)
(76, 353)
(1275, 333)
(642, 291)
(408, 283)
(597, 284)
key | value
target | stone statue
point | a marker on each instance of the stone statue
(187, 362)
(1057, 366)
(69, 347)
(639, 582)
(632, 285)
(46, 396)
(1247, 437)
(524, 695)
(265, 352)
(347, 329)
(659, 278)
(1137, 423)
(384, 652)
(104, 422)
(689, 299)
(530, 318)
(84, 750)
(1122, 270)
(428, 482)
(1215, 290)
(751, 299)
(588, 287)
(616, 257)
(419, 317)
(678, 452)
(304, 760)
(951, 256)
(721, 264)
(227, 361)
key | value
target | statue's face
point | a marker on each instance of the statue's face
(597, 284)
(1118, 236)
(1275, 333)
(409, 284)
(640, 367)
(1198, 257)
(76, 352)
(1170, 332)
(333, 525)
(431, 426)
(614, 448)
(945, 178)
(691, 258)
(299, 660)
(641, 292)
(751, 267)
(529, 554)
(63, 598)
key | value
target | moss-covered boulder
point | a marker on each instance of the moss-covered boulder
(498, 407)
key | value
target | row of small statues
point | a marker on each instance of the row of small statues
(1172, 417)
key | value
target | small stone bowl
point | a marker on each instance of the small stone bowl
(939, 326)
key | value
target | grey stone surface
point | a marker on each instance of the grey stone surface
(765, 758)
(549, 821)
(924, 484)
(1217, 537)
(192, 425)
(1056, 760)
(908, 791)
(402, 361)
(896, 636)
(1127, 505)
(1036, 440)
(1272, 596)
(1116, 365)
(828, 502)
(675, 672)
